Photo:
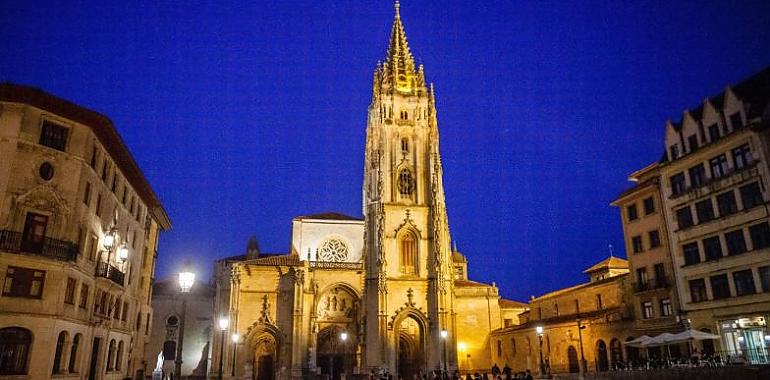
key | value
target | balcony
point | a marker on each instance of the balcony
(658, 283)
(13, 241)
(110, 272)
(335, 265)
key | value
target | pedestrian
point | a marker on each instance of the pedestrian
(528, 375)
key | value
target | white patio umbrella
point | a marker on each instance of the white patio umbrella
(659, 340)
(690, 335)
(638, 342)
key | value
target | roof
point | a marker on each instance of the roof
(470, 284)
(579, 286)
(511, 304)
(243, 257)
(611, 262)
(104, 130)
(561, 319)
(328, 216)
(290, 259)
(458, 257)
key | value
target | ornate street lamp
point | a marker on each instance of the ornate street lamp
(236, 338)
(223, 323)
(186, 281)
(444, 335)
(539, 331)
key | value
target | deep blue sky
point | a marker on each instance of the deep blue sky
(244, 115)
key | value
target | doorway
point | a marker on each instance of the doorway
(92, 367)
(602, 364)
(411, 349)
(572, 358)
(33, 237)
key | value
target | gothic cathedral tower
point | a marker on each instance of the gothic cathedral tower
(409, 286)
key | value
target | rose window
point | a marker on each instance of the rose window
(333, 250)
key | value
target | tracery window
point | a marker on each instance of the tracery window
(404, 145)
(333, 250)
(408, 250)
(406, 183)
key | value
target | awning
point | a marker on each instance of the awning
(638, 342)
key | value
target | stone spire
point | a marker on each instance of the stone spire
(399, 60)
(252, 248)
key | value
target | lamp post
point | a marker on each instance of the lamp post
(344, 337)
(583, 366)
(108, 242)
(186, 281)
(235, 338)
(223, 322)
(444, 335)
(539, 331)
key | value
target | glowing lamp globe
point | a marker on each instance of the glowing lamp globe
(123, 253)
(186, 280)
(223, 322)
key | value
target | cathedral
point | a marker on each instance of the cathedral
(386, 292)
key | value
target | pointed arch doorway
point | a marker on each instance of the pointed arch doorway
(411, 347)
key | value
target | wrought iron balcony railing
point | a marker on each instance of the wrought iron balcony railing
(13, 241)
(110, 272)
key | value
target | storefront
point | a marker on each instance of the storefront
(746, 339)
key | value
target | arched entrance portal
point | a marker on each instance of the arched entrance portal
(336, 355)
(602, 364)
(616, 353)
(572, 357)
(411, 347)
(265, 356)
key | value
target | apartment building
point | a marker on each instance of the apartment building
(79, 228)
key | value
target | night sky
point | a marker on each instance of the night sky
(244, 115)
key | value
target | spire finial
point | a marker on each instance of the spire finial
(397, 7)
(610, 247)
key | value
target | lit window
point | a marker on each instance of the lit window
(405, 183)
(647, 310)
(408, 247)
(665, 307)
(23, 282)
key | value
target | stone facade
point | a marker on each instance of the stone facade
(70, 308)
(713, 187)
(389, 283)
(601, 307)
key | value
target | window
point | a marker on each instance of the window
(87, 194)
(24, 282)
(736, 243)
(93, 247)
(713, 132)
(404, 145)
(14, 350)
(46, 171)
(764, 278)
(513, 346)
(647, 312)
(660, 276)
(408, 253)
(83, 296)
(698, 290)
(124, 316)
(125, 194)
(69, 292)
(114, 186)
(636, 243)
(712, 248)
(599, 302)
(665, 307)
(684, 217)
(405, 183)
(54, 136)
(697, 175)
(33, 237)
(111, 356)
(727, 204)
(116, 311)
(119, 356)
(105, 170)
(674, 149)
(98, 210)
(744, 282)
(677, 184)
(556, 309)
(736, 121)
(499, 348)
(73, 363)
(641, 275)
(742, 156)
(692, 141)
(57, 358)
(718, 166)
(751, 195)
(649, 206)
(654, 236)
(720, 286)
(691, 254)
(760, 235)
(94, 154)
(705, 211)
(331, 250)
(632, 213)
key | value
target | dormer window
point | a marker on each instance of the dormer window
(693, 142)
(674, 150)
(714, 132)
(736, 121)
